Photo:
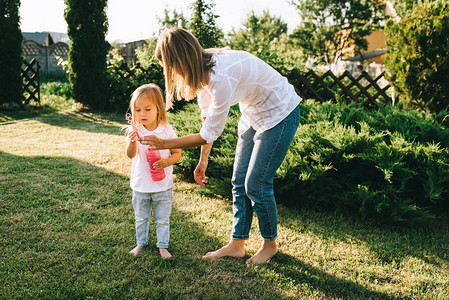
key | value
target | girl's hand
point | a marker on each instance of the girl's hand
(132, 136)
(200, 174)
(153, 142)
(160, 164)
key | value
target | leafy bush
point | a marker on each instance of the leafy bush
(123, 80)
(390, 164)
(418, 56)
(59, 88)
(221, 160)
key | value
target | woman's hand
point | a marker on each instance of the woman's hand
(152, 141)
(200, 173)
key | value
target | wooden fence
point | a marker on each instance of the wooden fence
(363, 89)
(328, 87)
(31, 82)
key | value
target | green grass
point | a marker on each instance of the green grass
(67, 224)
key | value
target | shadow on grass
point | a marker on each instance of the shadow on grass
(7, 116)
(76, 120)
(86, 121)
(66, 228)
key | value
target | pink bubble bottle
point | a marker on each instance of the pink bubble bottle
(152, 157)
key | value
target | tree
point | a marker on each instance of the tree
(257, 32)
(203, 26)
(330, 26)
(264, 36)
(403, 6)
(418, 58)
(87, 27)
(172, 19)
(11, 59)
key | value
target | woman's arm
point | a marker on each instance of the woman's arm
(200, 171)
(187, 141)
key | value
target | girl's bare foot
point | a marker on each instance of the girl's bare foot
(235, 248)
(136, 250)
(265, 252)
(164, 253)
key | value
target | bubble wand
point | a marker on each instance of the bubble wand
(129, 118)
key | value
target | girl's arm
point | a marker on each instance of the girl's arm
(171, 160)
(131, 147)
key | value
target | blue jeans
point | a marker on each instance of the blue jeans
(162, 204)
(258, 156)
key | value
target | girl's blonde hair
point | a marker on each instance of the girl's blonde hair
(154, 93)
(186, 64)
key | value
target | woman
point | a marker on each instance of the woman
(270, 116)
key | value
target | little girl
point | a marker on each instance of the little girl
(148, 114)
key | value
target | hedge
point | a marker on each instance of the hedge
(391, 164)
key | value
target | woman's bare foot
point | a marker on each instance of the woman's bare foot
(136, 250)
(164, 253)
(235, 248)
(265, 252)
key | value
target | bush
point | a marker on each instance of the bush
(87, 27)
(390, 164)
(221, 160)
(123, 80)
(58, 88)
(418, 56)
(11, 59)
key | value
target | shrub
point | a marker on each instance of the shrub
(11, 59)
(58, 88)
(123, 80)
(87, 27)
(418, 57)
(391, 164)
(188, 121)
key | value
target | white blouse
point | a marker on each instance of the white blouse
(265, 97)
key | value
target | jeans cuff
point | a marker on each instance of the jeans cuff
(269, 239)
(239, 237)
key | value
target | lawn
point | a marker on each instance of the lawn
(67, 225)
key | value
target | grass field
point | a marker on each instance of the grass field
(67, 224)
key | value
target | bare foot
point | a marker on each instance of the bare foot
(164, 253)
(264, 254)
(136, 250)
(235, 248)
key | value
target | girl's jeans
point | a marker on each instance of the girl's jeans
(257, 157)
(162, 204)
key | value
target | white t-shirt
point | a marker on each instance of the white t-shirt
(265, 97)
(140, 170)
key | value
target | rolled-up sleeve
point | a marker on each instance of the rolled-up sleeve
(221, 92)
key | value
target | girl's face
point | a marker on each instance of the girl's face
(146, 113)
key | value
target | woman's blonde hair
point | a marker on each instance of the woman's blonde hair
(186, 64)
(154, 93)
